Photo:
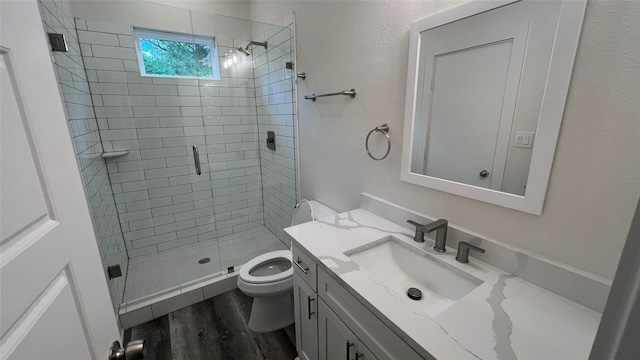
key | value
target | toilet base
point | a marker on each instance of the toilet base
(271, 313)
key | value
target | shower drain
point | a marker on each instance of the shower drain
(204, 260)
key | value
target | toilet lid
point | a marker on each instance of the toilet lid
(259, 260)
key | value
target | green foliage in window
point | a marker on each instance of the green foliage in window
(163, 57)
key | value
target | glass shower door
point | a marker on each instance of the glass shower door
(166, 208)
(250, 99)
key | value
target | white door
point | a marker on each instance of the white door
(54, 300)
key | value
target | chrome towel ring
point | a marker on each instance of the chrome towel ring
(384, 128)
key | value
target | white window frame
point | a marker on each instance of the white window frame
(179, 37)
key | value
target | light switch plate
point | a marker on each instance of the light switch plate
(524, 139)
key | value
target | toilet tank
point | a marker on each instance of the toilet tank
(302, 214)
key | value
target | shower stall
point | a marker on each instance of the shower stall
(182, 186)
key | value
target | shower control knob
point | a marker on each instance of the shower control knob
(484, 173)
(135, 350)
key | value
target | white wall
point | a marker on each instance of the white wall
(595, 181)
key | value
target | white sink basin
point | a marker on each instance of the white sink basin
(398, 267)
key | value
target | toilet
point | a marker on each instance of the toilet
(268, 278)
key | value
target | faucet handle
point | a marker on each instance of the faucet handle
(463, 251)
(414, 223)
(419, 235)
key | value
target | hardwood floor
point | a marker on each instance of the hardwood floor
(210, 330)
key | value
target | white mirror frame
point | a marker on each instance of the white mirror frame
(551, 111)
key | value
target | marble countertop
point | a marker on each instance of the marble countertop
(505, 317)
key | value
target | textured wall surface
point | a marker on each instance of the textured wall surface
(595, 181)
(162, 202)
(86, 141)
(275, 106)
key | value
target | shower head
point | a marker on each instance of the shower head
(245, 52)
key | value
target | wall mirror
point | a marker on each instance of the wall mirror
(486, 89)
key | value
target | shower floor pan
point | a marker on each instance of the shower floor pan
(160, 283)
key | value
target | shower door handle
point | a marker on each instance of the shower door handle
(196, 159)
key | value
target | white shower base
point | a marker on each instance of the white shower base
(157, 277)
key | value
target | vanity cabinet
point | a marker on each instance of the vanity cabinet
(369, 329)
(329, 320)
(335, 340)
(306, 316)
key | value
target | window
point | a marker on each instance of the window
(165, 54)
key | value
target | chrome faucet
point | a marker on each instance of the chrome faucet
(441, 236)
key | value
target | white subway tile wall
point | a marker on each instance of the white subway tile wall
(275, 106)
(83, 127)
(161, 201)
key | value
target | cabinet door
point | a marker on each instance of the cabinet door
(335, 340)
(363, 353)
(306, 316)
(383, 342)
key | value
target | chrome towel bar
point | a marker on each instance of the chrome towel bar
(313, 97)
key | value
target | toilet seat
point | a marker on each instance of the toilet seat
(259, 260)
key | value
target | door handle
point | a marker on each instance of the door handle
(309, 300)
(135, 350)
(484, 173)
(196, 159)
